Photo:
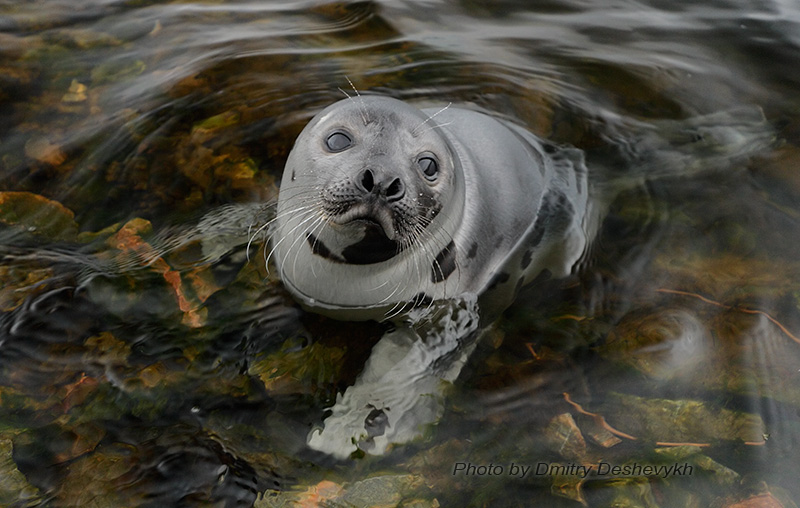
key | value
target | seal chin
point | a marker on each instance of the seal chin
(370, 215)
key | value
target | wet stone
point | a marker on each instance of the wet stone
(694, 456)
(386, 490)
(81, 38)
(17, 283)
(14, 487)
(13, 46)
(299, 370)
(117, 70)
(766, 500)
(601, 435)
(38, 215)
(664, 344)
(631, 493)
(680, 421)
(565, 438)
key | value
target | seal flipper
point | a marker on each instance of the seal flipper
(375, 413)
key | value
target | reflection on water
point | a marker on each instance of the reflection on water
(130, 376)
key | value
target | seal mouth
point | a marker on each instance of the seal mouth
(372, 216)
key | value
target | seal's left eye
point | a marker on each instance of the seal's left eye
(338, 141)
(429, 167)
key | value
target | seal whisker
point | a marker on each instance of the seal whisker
(271, 233)
(399, 306)
(364, 112)
(408, 247)
(388, 297)
(422, 233)
(252, 236)
(437, 126)
(316, 232)
(315, 246)
(311, 217)
(305, 209)
(289, 212)
(422, 237)
(314, 206)
(382, 284)
(430, 118)
(297, 240)
(320, 222)
(310, 213)
(396, 310)
(393, 292)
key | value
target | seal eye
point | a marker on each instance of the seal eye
(338, 141)
(429, 167)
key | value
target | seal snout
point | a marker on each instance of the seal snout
(382, 185)
(373, 214)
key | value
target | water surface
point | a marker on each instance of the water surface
(179, 382)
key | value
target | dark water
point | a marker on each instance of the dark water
(176, 382)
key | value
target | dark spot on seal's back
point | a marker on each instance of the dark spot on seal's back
(320, 249)
(555, 215)
(527, 258)
(563, 212)
(497, 279)
(537, 235)
(473, 250)
(533, 241)
(293, 175)
(444, 264)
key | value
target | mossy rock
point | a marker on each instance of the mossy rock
(38, 215)
(680, 421)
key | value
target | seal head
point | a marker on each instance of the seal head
(367, 200)
(384, 207)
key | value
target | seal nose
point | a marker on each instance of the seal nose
(390, 187)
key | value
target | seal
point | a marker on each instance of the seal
(384, 207)
(433, 219)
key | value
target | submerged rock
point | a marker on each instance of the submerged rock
(14, 487)
(565, 438)
(38, 215)
(389, 490)
(681, 421)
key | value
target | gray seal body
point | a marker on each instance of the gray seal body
(384, 207)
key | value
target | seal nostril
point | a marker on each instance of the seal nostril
(367, 180)
(395, 190)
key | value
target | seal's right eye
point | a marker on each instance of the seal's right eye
(429, 167)
(338, 141)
